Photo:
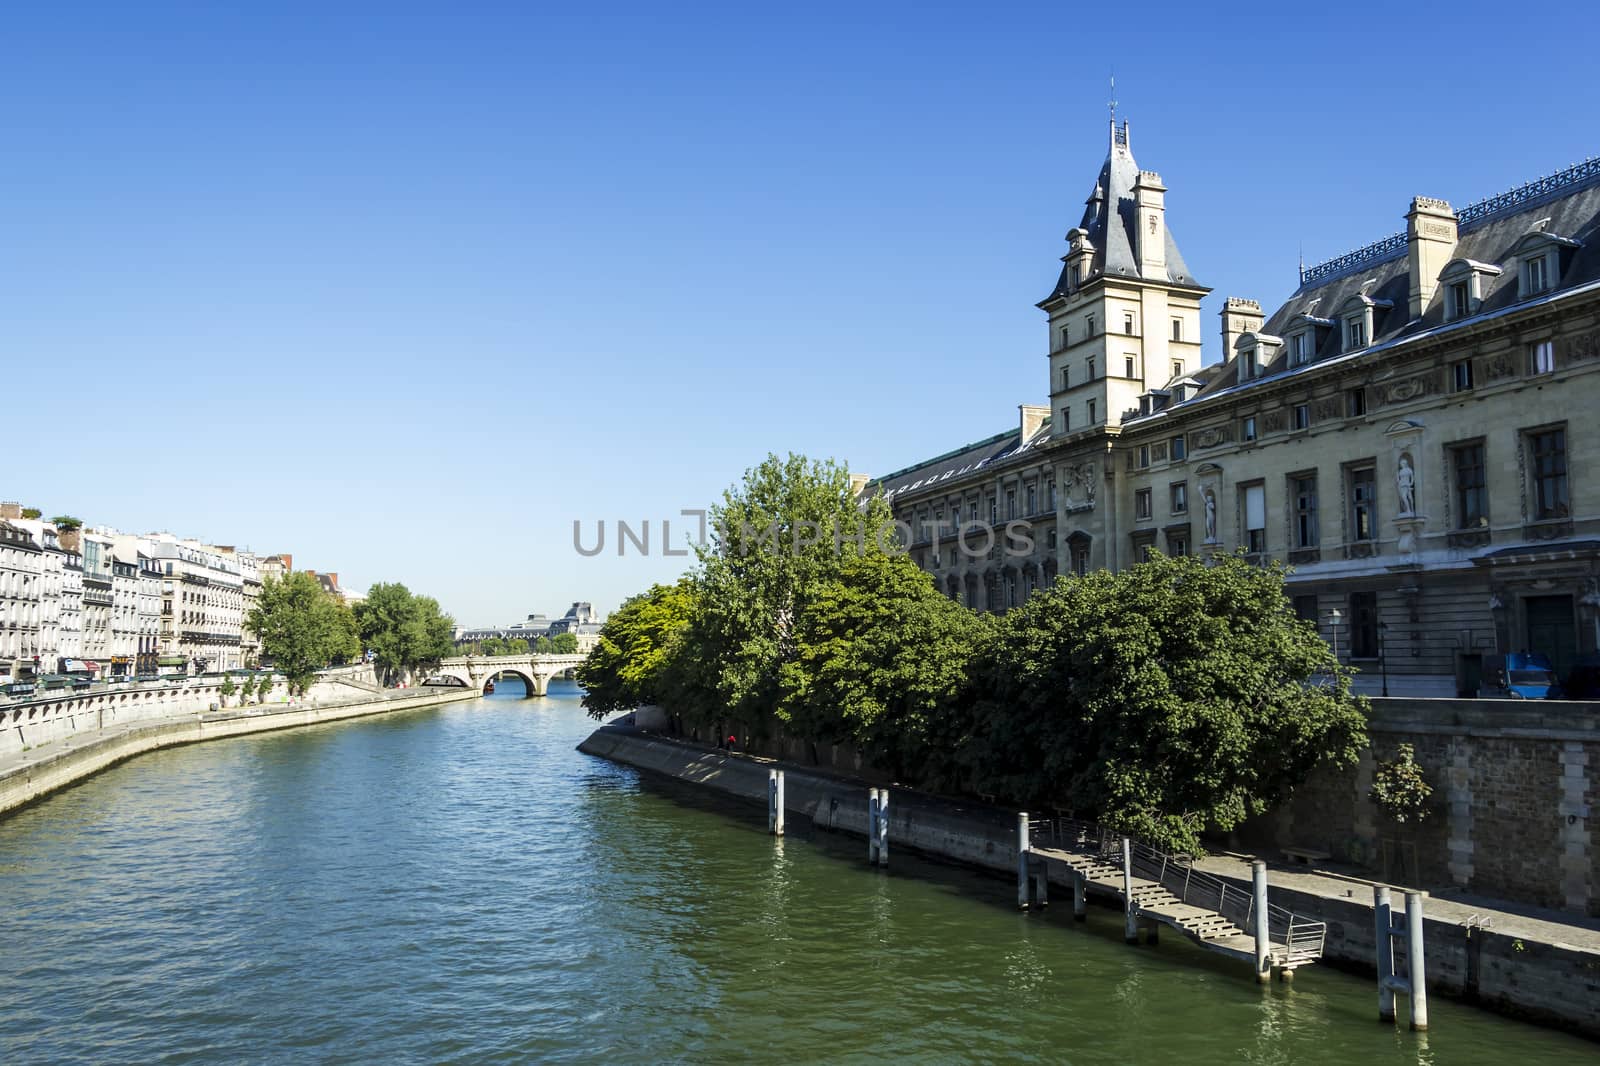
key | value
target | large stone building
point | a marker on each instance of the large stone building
(21, 563)
(1400, 431)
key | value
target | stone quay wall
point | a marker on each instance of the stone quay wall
(1541, 979)
(1515, 788)
(28, 724)
(24, 779)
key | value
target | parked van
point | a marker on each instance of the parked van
(1520, 676)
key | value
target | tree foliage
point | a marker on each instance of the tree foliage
(31, 513)
(66, 523)
(564, 644)
(632, 663)
(301, 628)
(1399, 787)
(1175, 695)
(403, 631)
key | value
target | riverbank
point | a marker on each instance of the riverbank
(31, 774)
(1493, 955)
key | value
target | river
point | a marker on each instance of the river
(458, 885)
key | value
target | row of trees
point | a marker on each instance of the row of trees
(1175, 695)
(559, 644)
(304, 629)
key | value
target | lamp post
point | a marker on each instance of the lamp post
(1335, 618)
(1383, 661)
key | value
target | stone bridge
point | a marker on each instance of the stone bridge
(474, 671)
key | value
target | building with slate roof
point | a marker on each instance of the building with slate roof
(1407, 431)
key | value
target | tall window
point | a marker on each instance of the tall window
(1305, 510)
(1461, 375)
(1089, 368)
(1144, 456)
(1180, 497)
(1092, 419)
(1177, 368)
(1363, 504)
(994, 510)
(1011, 504)
(1460, 300)
(1178, 543)
(1247, 429)
(1127, 366)
(1355, 402)
(1355, 334)
(1255, 518)
(1141, 504)
(1033, 499)
(1471, 486)
(1177, 329)
(1080, 556)
(1534, 278)
(1066, 419)
(1542, 357)
(1066, 378)
(1076, 274)
(1175, 448)
(1088, 325)
(1549, 455)
(1066, 336)
(1050, 498)
(1127, 323)
(1363, 625)
(1302, 416)
(1301, 348)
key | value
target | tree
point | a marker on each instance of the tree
(564, 644)
(300, 627)
(227, 688)
(542, 646)
(880, 659)
(31, 513)
(65, 523)
(516, 646)
(402, 630)
(775, 539)
(247, 690)
(1175, 695)
(630, 664)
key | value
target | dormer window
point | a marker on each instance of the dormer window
(1355, 333)
(1465, 282)
(1300, 348)
(1535, 275)
(1540, 256)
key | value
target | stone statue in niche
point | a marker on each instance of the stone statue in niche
(1211, 517)
(1405, 480)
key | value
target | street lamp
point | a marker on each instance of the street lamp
(1383, 662)
(1335, 618)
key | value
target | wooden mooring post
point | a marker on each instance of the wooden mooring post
(1415, 984)
(1130, 914)
(775, 802)
(878, 826)
(1258, 884)
(1033, 876)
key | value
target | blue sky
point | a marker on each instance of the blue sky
(406, 289)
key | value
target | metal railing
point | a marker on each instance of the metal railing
(1295, 939)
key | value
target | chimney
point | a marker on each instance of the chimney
(1239, 316)
(288, 562)
(858, 483)
(1150, 198)
(70, 539)
(10, 509)
(333, 575)
(1430, 244)
(1032, 418)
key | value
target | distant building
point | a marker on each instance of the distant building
(20, 565)
(580, 620)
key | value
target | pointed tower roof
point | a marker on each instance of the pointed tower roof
(1109, 221)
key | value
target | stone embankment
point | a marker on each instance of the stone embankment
(1501, 956)
(29, 774)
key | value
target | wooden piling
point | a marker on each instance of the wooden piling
(1383, 927)
(1080, 897)
(883, 827)
(872, 826)
(775, 802)
(1416, 972)
(1023, 846)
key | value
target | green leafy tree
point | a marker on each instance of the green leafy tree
(543, 646)
(300, 627)
(564, 644)
(227, 688)
(31, 513)
(776, 539)
(66, 523)
(516, 646)
(1172, 696)
(263, 688)
(631, 664)
(880, 658)
(246, 690)
(405, 632)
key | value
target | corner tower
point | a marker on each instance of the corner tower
(1125, 313)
